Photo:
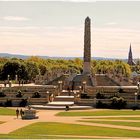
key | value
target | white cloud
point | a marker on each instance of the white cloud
(111, 23)
(68, 41)
(59, 0)
(15, 18)
(82, 0)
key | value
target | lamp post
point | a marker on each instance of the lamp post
(84, 85)
(135, 98)
(47, 96)
(76, 97)
(80, 88)
(138, 87)
(74, 93)
(138, 84)
(8, 77)
(16, 78)
(60, 85)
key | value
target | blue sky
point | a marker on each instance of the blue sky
(57, 28)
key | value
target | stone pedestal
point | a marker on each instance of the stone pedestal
(86, 68)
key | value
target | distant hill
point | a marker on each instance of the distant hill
(7, 55)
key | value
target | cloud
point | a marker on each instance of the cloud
(41, 40)
(69, 41)
(111, 23)
(78, 0)
(69, 0)
(14, 18)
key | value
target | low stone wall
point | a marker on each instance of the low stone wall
(111, 89)
(33, 101)
(93, 102)
(87, 102)
(127, 92)
(28, 92)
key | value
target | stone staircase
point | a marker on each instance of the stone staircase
(59, 102)
(65, 98)
(61, 78)
(79, 79)
(124, 81)
(104, 80)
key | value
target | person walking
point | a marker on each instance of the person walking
(67, 108)
(17, 113)
(21, 112)
(19, 82)
(5, 83)
(22, 82)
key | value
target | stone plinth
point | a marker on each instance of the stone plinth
(86, 68)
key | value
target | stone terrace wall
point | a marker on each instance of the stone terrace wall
(28, 91)
(127, 92)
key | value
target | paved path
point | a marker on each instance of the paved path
(12, 124)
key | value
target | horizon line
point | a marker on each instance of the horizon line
(27, 55)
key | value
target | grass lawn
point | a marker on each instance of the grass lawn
(134, 124)
(6, 111)
(42, 129)
(14, 136)
(100, 113)
(115, 118)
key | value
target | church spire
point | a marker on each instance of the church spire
(130, 57)
(130, 50)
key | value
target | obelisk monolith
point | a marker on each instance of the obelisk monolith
(87, 47)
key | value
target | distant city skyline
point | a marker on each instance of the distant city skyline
(57, 28)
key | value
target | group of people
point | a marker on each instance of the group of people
(20, 82)
(9, 83)
(19, 112)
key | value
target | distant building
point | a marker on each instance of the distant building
(130, 57)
